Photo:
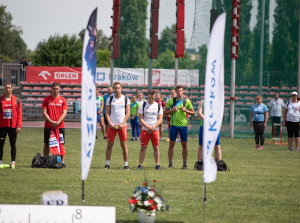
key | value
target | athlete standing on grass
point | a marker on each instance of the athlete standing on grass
(178, 108)
(173, 95)
(10, 121)
(134, 119)
(150, 115)
(117, 114)
(100, 118)
(55, 110)
(105, 97)
(160, 101)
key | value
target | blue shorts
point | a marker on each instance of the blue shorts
(201, 137)
(182, 132)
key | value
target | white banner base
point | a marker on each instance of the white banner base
(56, 214)
(55, 198)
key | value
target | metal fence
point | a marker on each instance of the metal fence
(251, 78)
(12, 72)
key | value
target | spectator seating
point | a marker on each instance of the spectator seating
(32, 96)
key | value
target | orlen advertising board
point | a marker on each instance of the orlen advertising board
(130, 76)
(65, 75)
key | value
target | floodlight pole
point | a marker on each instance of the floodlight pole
(176, 71)
(298, 86)
(111, 74)
(232, 97)
(150, 74)
(261, 53)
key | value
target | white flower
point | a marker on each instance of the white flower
(137, 193)
(159, 205)
(146, 203)
(158, 200)
(151, 194)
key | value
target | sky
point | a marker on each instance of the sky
(39, 19)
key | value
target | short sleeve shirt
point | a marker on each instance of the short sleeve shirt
(292, 114)
(259, 112)
(55, 107)
(134, 108)
(99, 102)
(150, 114)
(276, 107)
(105, 97)
(179, 117)
(117, 109)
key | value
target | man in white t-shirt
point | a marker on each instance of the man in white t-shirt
(117, 114)
(276, 106)
(150, 116)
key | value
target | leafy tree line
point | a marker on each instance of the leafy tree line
(12, 46)
(281, 54)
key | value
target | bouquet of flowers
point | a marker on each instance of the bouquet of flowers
(147, 199)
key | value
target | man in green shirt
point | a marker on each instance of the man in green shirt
(178, 108)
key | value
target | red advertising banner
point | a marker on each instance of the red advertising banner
(62, 75)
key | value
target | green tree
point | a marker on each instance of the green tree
(165, 60)
(59, 51)
(103, 42)
(285, 36)
(103, 58)
(244, 62)
(256, 38)
(133, 42)
(167, 39)
(12, 46)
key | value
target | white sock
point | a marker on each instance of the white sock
(14, 162)
(0, 161)
(108, 162)
(125, 163)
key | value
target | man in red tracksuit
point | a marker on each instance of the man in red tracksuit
(55, 111)
(10, 121)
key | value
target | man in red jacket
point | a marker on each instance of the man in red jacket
(55, 111)
(10, 121)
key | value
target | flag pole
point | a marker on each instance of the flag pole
(204, 201)
(82, 194)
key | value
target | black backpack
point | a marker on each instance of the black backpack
(144, 105)
(222, 166)
(199, 165)
(183, 103)
(110, 100)
(40, 161)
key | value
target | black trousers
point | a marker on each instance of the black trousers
(259, 130)
(12, 134)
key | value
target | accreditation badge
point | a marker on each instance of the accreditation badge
(7, 113)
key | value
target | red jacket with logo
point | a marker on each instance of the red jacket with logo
(16, 116)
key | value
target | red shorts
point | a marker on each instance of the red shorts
(145, 137)
(111, 133)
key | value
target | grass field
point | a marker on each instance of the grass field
(262, 185)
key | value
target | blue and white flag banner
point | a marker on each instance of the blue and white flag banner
(213, 97)
(88, 95)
